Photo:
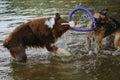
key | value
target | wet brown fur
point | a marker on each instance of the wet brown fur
(117, 40)
(34, 34)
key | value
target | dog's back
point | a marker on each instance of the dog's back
(112, 26)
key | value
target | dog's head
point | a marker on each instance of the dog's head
(101, 17)
(58, 29)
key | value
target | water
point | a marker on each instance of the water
(43, 66)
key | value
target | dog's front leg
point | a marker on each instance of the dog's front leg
(58, 51)
(88, 43)
(98, 45)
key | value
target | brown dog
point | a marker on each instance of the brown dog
(42, 32)
(105, 26)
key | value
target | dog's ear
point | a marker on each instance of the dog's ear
(103, 11)
(106, 9)
(57, 16)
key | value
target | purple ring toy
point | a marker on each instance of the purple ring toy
(89, 14)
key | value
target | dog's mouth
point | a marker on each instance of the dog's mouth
(99, 22)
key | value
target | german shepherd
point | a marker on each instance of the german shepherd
(105, 26)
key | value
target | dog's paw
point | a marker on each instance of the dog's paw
(117, 52)
(90, 52)
(62, 52)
